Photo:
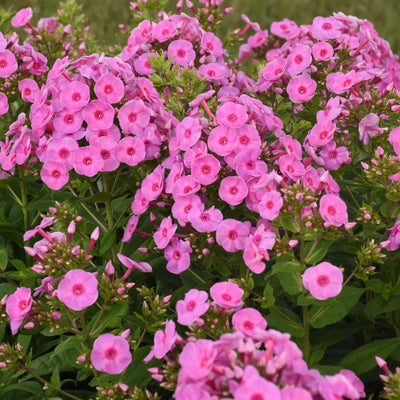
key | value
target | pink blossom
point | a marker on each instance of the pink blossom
(253, 257)
(213, 72)
(131, 264)
(54, 174)
(333, 210)
(232, 115)
(334, 156)
(247, 164)
(231, 235)
(133, 116)
(322, 51)
(249, 321)
(299, 59)
(22, 17)
(295, 393)
(321, 133)
(338, 82)
(110, 354)
(108, 152)
(301, 89)
(369, 127)
(62, 150)
(211, 44)
(87, 161)
(139, 204)
(75, 95)
(131, 151)
(227, 295)
(272, 72)
(3, 104)
(248, 138)
(182, 206)
(164, 233)
(270, 205)
(233, 189)
(394, 139)
(163, 341)
(182, 52)
(17, 307)
(143, 65)
(67, 121)
(188, 132)
(98, 115)
(291, 167)
(130, 228)
(185, 186)
(109, 89)
(8, 63)
(323, 281)
(222, 140)
(28, 88)
(153, 184)
(285, 29)
(197, 358)
(192, 307)
(178, 256)
(78, 289)
(332, 110)
(205, 220)
(191, 391)
(205, 169)
(164, 30)
(326, 28)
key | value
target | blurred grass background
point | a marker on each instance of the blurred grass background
(105, 15)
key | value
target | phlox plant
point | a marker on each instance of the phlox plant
(194, 217)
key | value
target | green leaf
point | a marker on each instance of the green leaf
(268, 294)
(319, 252)
(107, 241)
(3, 259)
(378, 305)
(109, 318)
(333, 310)
(290, 282)
(288, 224)
(55, 378)
(96, 198)
(286, 265)
(362, 359)
(285, 320)
(26, 386)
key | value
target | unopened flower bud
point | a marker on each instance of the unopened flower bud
(293, 243)
(109, 270)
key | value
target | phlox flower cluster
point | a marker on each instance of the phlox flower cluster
(248, 362)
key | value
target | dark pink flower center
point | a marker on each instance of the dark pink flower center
(27, 91)
(3, 63)
(232, 235)
(108, 89)
(55, 174)
(188, 133)
(233, 190)
(205, 169)
(177, 255)
(323, 280)
(87, 160)
(99, 114)
(223, 140)
(64, 153)
(22, 305)
(105, 154)
(270, 204)
(76, 96)
(111, 353)
(257, 396)
(244, 140)
(232, 117)
(130, 151)
(298, 59)
(331, 210)
(191, 305)
(227, 297)
(78, 289)
(327, 26)
(248, 325)
(69, 119)
(132, 117)
(181, 53)
(302, 90)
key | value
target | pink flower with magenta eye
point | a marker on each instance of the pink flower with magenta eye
(231, 235)
(233, 189)
(110, 354)
(182, 52)
(248, 321)
(17, 307)
(131, 264)
(326, 28)
(205, 220)
(67, 121)
(323, 281)
(205, 169)
(270, 205)
(28, 88)
(301, 89)
(222, 140)
(108, 152)
(164, 233)
(8, 63)
(109, 88)
(227, 295)
(321, 133)
(333, 210)
(192, 307)
(87, 161)
(232, 115)
(22, 17)
(54, 174)
(188, 132)
(163, 341)
(164, 30)
(322, 51)
(62, 150)
(75, 95)
(78, 289)
(133, 116)
(178, 256)
(98, 115)
(131, 151)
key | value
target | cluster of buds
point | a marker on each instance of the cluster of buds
(391, 380)
(153, 304)
(368, 215)
(11, 356)
(120, 391)
(371, 253)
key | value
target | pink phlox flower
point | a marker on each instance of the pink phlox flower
(98, 115)
(205, 169)
(326, 28)
(301, 88)
(139, 204)
(299, 59)
(249, 321)
(164, 30)
(46, 221)
(163, 341)
(196, 151)
(182, 52)
(263, 237)
(233, 189)
(28, 89)
(338, 82)
(295, 393)
(182, 206)
(109, 88)
(191, 391)
(54, 174)
(142, 33)
(322, 51)
(108, 152)
(270, 205)
(369, 127)
(227, 295)
(292, 146)
(253, 257)
(291, 167)
(232, 115)
(67, 121)
(271, 72)
(153, 184)
(164, 233)
(131, 264)
(178, 256)
(323, 281)
(205, 220)
(222, 140)
(394, 236)
(110, 354)
(130, 228)
(87, 161)
(41, 116)
(231, 234)
(22, 17)
(247, 164)
(188, 132)
(211, 44)
(213, 72)
(258, 39)
(394, 139)
(192, 307)
(285, 29)
(8, 63)
(331, 111)
(61, 150)
(334, 156)
(143, 65)
(18, 306)
(248, 138)
(329, 184)
(131, 151)
(78, 289)
(333, 210)
(134, 116)
(197, 359)
(75, 95)
(46, 286)
(321, 133)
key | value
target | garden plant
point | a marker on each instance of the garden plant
(195, 217)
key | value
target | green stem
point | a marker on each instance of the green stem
(306, 325)
(48, 384)
(103, 308)
(197, 276)
(25, 212)
(109, 212)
